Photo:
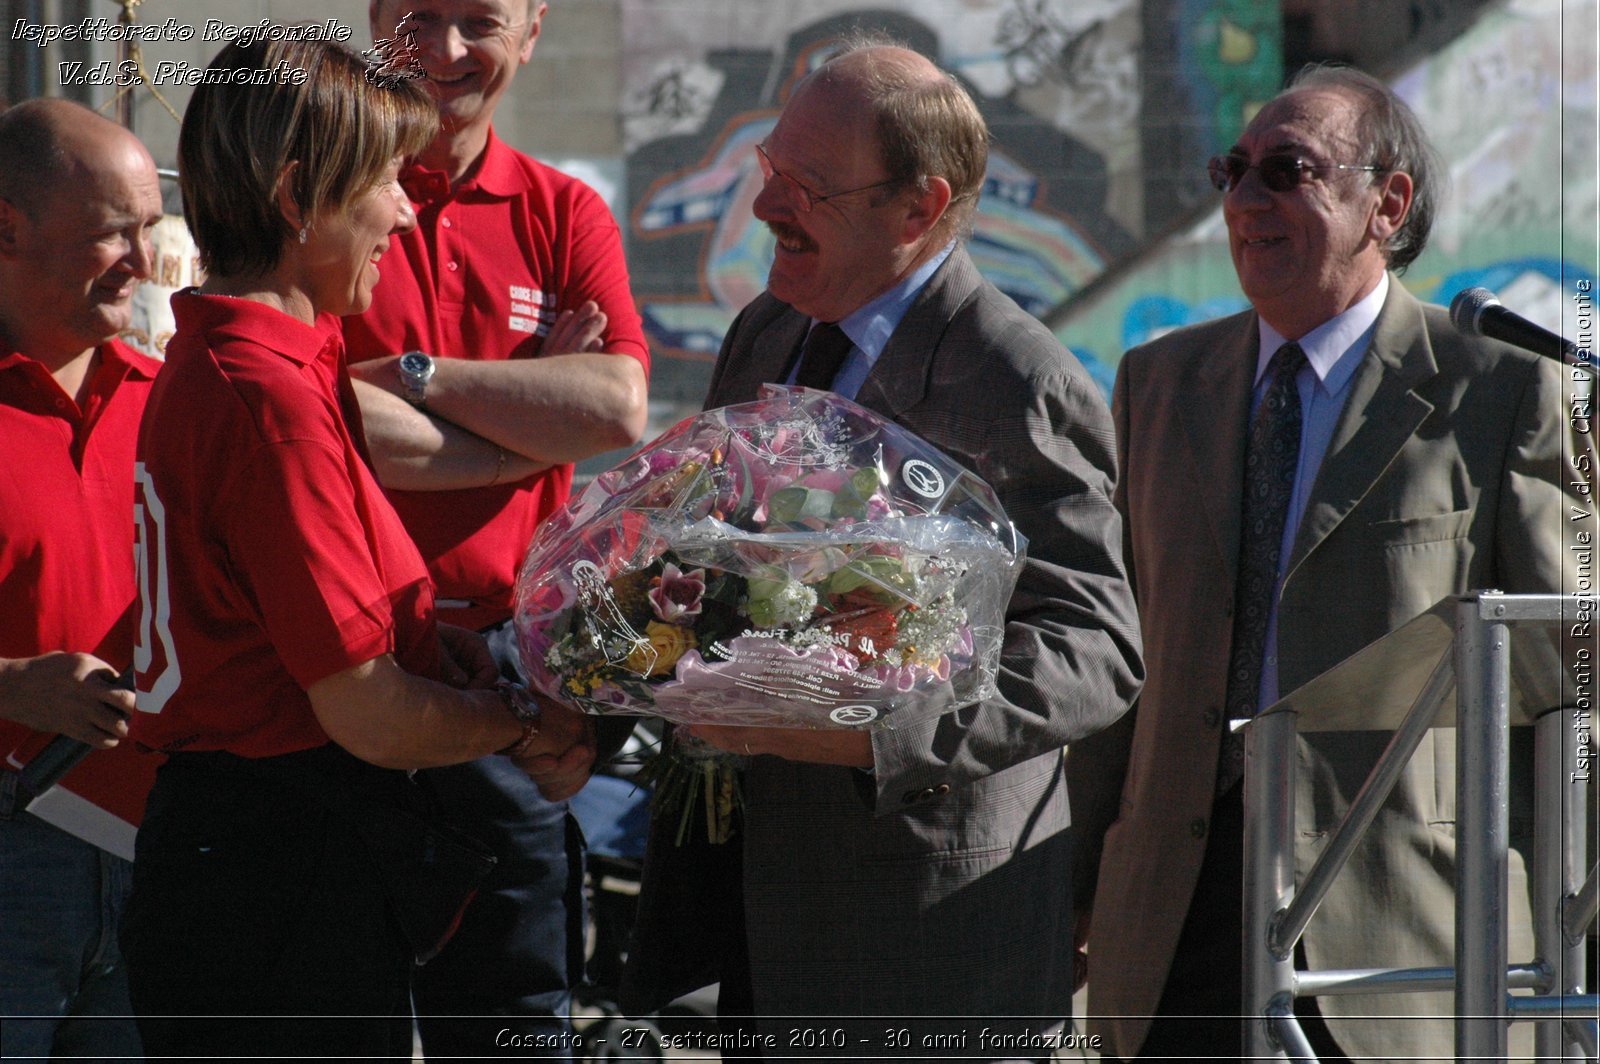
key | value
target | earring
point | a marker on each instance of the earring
(303, 229)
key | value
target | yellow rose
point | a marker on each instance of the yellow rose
(669, 641)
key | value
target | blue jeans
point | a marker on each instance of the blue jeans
(63, 986)
(518, 951)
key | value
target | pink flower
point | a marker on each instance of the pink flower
(675, 595)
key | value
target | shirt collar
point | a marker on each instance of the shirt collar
(257, 323)
(870, 326)
(1334, 348)
(130, 361)
(497, 175)
(135, 363)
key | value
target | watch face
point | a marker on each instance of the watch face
(416, 364)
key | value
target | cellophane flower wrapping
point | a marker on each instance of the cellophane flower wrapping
(794, 561)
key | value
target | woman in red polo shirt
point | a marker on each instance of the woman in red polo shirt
(288, 660)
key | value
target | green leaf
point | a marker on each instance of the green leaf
(793, 504)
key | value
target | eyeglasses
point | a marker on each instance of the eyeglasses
(1280, 172)
(804, 197)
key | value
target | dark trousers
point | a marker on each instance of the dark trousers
(737, 1017)
(257, 924)
(1199, 1011)
(736, 995)
(519, 948)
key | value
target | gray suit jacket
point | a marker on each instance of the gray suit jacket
(1443, 476)
(937, 887)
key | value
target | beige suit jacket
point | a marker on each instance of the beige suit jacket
(1444, 475)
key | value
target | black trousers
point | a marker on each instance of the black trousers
(257, 924)
(1199, 1012)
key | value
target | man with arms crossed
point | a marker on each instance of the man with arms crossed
(1416, 463)
(513, 289)
(78, 195)
(920, 871)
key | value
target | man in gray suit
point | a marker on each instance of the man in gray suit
(919, 871)
(1427, 464)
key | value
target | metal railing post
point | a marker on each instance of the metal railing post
(1483, 720)
(1269, 782)
(1558, 858)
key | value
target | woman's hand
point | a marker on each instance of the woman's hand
(561, 759)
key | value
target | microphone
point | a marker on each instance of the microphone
(1476, 312)
(60, 755)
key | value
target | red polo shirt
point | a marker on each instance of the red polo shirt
(482, 276)
(66, 543)
(270, 558)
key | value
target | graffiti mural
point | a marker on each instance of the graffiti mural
(1208, 64)
(1057, 85)
(1520, 219)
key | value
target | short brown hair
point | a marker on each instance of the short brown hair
(253, 114)
(927, 127)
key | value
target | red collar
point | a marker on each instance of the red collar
(257, 323)
(497, 176)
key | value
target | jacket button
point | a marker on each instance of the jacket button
(1197, 827)
(941, 790)
(1211, 717)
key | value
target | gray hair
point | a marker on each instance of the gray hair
(1391, 138)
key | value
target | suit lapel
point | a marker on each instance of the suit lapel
(1382, 412)
(770, 351)
(899, 379)
(1215, 414)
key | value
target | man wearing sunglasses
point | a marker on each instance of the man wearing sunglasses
(1287, 504)
(892, 880)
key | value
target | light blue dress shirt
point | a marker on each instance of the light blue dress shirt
(1333, 351)
(870, 326)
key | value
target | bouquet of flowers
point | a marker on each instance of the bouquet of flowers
(794, 561)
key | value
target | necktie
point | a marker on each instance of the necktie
(1271, 455)
(824, 352)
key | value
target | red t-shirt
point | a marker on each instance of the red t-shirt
(66, 546)
(269, 558)
(483, 276)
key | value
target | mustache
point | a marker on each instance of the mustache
(789, 234)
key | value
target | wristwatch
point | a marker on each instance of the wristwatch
(416, 370)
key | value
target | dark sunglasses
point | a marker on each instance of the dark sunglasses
(1279, 172)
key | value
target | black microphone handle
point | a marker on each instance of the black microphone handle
(1505, 325)
(1476, 312)
(47, 767)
